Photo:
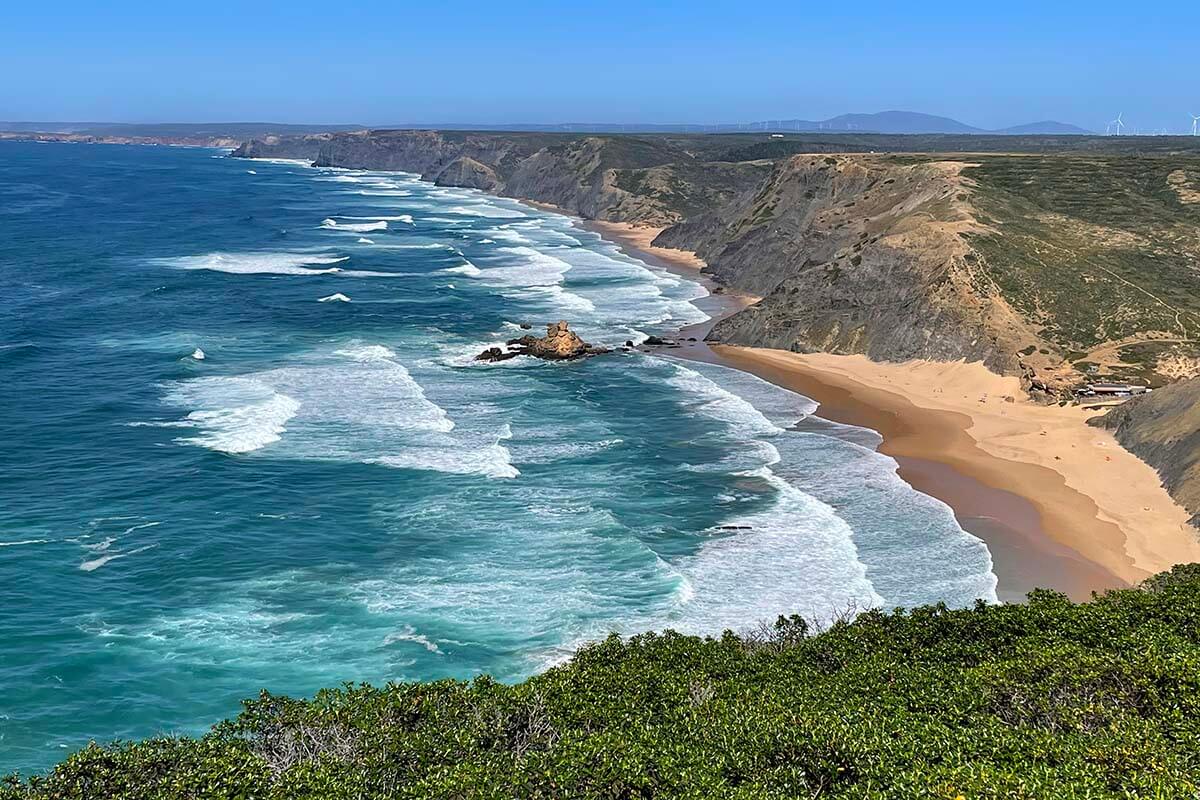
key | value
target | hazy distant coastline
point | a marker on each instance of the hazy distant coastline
(230, 134)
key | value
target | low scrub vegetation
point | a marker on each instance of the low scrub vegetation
(1100, 252)
(1048, 699)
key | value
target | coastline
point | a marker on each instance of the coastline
(1061, 505)
(636, 241)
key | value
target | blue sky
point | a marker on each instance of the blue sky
(988, 64)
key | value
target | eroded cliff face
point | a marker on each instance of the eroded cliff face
(853, 254)
(1163, 429)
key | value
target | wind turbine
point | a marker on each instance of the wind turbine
(1116, 123)
(1195, 119)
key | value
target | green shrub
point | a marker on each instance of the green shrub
(1049, 699)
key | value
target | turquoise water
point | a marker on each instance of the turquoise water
(245, 447)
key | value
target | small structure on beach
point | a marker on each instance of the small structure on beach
(1109, 393)
(1106, 389)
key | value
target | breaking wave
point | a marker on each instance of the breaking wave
(258, 263)
(354, 227)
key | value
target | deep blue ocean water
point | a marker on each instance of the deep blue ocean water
(246, 447)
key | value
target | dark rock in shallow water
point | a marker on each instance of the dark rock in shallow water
(559, 344)
(657, 341)
(496, 354)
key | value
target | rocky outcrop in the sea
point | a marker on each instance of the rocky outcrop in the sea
(559, 344)
(1163, 429)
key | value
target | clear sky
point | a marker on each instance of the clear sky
(374, 63)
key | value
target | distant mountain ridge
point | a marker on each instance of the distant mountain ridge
(887, 122)
(912, 122)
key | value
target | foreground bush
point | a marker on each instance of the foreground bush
(1044, 700)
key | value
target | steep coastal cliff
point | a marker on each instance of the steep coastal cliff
(1052, 266)
(855, 254)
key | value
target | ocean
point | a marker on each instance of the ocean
(246, 446)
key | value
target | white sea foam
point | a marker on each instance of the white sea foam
(24, 542)
(536, 276)
(530, 268)
(701, 395)
(198, 354)
(354, 227)
(100, 546)
(365, 240)
(493, 461)
(382, 193)
(505, 234)
(538, 451)
(483, 210)
(555, 296)
(421, 246)
(295, 162)
(357, 403)
(796, 556)
(464, 269)
(773, 409)
(97, 563)
(405, 218)
(274, 263)
(409, 634)
(749, 575)
(337, 297)
(234, 414)
(251, 172)
(911, 545)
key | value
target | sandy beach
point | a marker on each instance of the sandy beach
(641, 238)
(1101, 516)
(1060, 504)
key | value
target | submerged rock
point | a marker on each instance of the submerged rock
(559, 344)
